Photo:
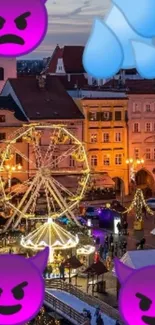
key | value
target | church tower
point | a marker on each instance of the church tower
(8, 69)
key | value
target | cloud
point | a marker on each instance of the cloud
(69, 24)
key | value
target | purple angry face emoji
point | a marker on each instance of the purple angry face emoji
(23, 26)
(137, 294)
(21, 287)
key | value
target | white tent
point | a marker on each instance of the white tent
(137, 259)
(153, 232)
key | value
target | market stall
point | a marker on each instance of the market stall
(85, 254)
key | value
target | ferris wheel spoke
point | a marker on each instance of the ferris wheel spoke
(37, 153)
(47, 198)
(64, 156)
(62, 187)
(21, 204)
(28, 204)
(24, 157)
(51, 148)
(63, 202)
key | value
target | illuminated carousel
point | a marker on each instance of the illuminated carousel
(59, 241)
(53, 166)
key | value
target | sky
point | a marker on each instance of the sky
(70, 23)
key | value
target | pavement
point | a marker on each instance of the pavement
(134, 236)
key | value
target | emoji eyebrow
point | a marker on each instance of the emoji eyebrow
(25, 15)
(21, 285)
(140, 296)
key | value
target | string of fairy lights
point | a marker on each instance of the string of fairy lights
(137, 204)
(44, 319)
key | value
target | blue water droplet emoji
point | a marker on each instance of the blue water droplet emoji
(140, 14)
(145, 59)
(116, 21)
(103, 55)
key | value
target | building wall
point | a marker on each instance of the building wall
(109, 136)
(11, 128)
(10, 70)
(8, 130)
(141, 112)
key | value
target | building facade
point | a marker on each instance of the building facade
(31, 100)
(141, 114)
(105, 134)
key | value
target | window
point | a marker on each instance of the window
(93, 160)
(136, 153)
(118, 159)
(106, 116)
(93, 138)
(136, 107)
(2, 118)
(118, 137)
(106, 160)
(148, 154)
(118, 116)
(147, 108)
(93, 116)
(136, 127)
(1, 74)
(106, 137)
(71, 162)
(2, 136)
(148, 127)
(19, 159)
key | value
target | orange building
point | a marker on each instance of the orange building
(105, 134)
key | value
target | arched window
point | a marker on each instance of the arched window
(1, 73)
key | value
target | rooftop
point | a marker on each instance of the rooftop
(133, 86)
(7, 102)
(138, 259)
(49, 102)
(72, 59)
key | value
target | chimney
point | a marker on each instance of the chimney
(41, 81)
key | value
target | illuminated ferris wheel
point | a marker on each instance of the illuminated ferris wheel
(54, 173)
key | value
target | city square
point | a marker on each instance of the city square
(77, 167)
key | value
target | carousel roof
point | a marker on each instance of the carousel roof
(50, 234)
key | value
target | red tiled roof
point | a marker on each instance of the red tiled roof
(51, 102)
(52, 63)
(133, 86)
(72, 59)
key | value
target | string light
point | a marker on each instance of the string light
(138, 204)
(44, 319)
(52, 235)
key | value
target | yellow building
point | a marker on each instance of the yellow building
(105, 135)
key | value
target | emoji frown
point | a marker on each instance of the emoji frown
(23, 26)
(137, 294)
(21, 287)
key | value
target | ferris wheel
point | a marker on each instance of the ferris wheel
(52, 165)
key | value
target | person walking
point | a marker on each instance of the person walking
(99, 320)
